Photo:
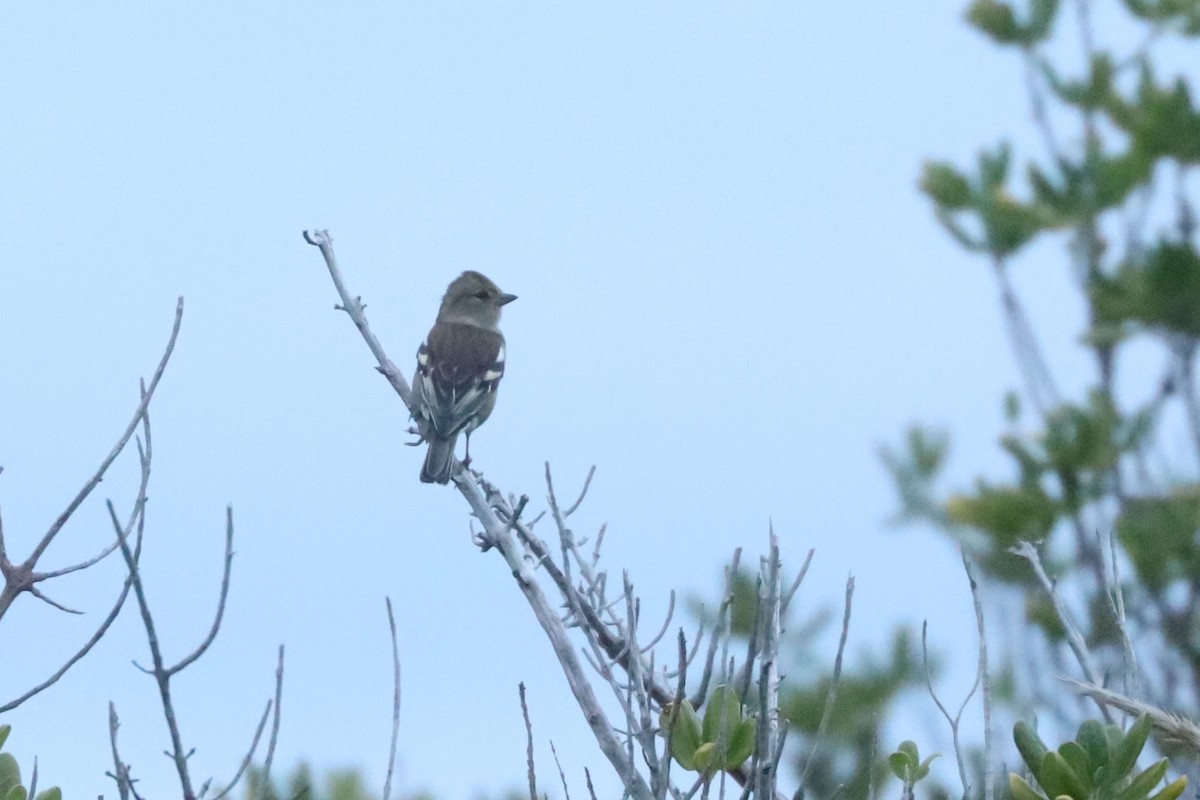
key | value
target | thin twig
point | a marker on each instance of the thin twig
(531, 771)
(237, 776)
(831, 698)
(953, 721)
(562, 777)
(1175, 729)
(216, 625)
(582, 492)
(121, 769)
(278, 710)
(1074, 639)
(767, 737)
(98, 475)
(720, 628)
(387, 784)
(985, 678)
(791, 591)
(159, 672)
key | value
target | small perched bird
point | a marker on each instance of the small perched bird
(459, 366)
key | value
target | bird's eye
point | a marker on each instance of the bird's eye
(482, 295)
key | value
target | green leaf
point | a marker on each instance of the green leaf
(1009, 224)
(1140, 787)
(1092, 739)
(1031, 747)
(1020, 789)
(995, 19)
(945, 185)
(10, 773)
(5, 730)
(923, 769)
(1125, 754)
(1173, 789)
(722, 714)
(1012, 406)
(1058, 778)
(742, 744)
(53, 793)
(16, 793)
(902, 766)
(1041, 20)
(705, 761)
(684, 735)
(1077, 759)
(1172, 288)
(1158, 533)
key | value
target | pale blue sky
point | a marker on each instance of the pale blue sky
(730, 292)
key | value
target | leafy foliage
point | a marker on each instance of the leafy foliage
(11, 787)
(723, 740)
(1099, 764)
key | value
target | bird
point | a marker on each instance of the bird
(459, 366)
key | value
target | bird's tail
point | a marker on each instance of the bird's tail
(438, 459)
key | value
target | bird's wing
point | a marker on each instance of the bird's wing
(458, 370)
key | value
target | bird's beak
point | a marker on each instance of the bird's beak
(505, 299)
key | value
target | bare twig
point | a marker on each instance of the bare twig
(270, 757)
(561, 776)
(587, 482)
(216, 625)
(96, 637)
(767, 739)
(121, 769)
(953, 721)
(237, 776)
(1175, 729)
(530, 770)
(985, 679)
(387, 784)
(831, 698)
(791, 591)
(137, 518)
(1116, 603)
(97, 476)
(20, 578)
(1074, 638)
(161, 675)
(720, 628)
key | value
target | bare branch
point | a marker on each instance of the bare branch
(831, 698)
(121, 769)
(532, 772)
(98, 475)
(237, 776)
(720, 628)
(355, 310)
(161, 676)
(1175, 729)
(666, 623)
(582, 492)
(766, 740)
(959, 755)
(137, 518)
(387, 783)
(791, 592)
(1074, 638)
(985, 678)
(33, 590)
(216, 625)
(562, 777)
(275, 717)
